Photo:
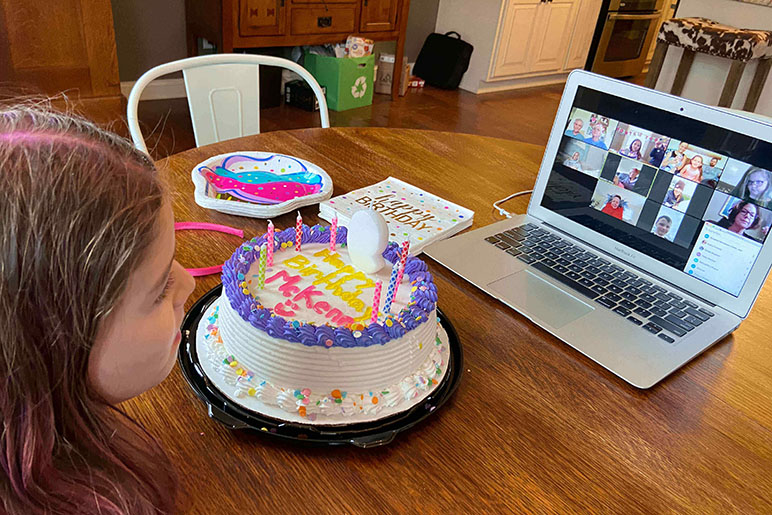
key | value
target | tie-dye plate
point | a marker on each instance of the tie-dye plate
(259, 184)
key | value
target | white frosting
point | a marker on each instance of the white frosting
(321, 407)
(294, 365)
(330, 382)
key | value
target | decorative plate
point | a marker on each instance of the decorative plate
(259, 184)
(362, 434)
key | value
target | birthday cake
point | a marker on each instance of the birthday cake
(294, 334)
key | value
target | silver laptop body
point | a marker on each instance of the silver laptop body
(664, 261)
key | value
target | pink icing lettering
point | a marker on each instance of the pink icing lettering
(285, 312)
(306, 295)
(321, 306)
(288, 288)
(334, 314)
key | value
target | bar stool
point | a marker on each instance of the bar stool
(709, 37)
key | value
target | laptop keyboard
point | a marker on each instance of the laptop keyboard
(643, 303)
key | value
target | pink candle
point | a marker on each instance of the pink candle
(298, 232)
(269, 246)
(376, 302)
(333, 233)
(402, 260)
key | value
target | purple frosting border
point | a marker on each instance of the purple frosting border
(423, 300)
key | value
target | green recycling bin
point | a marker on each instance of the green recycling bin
(348, 80)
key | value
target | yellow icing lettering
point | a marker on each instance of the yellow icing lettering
(366, 316)
(297, 262)
(331, 258)
(311, 270)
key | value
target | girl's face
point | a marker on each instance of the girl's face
(597, 132)
(757, 184)
(678, 191)
(682, 147)
(575, 156)
(697, 161)
(636, 146)
(663, 226)
(137, 344)
(746, 216)
(615, 202)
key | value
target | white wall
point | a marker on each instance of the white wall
(708, 74)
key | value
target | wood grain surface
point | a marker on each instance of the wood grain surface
(534, 425)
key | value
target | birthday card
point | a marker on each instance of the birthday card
(410, 212)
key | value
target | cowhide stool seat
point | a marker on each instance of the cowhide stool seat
(708, 37)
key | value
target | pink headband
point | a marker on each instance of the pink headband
(203, 226)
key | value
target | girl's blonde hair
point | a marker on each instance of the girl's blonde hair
(78, 213)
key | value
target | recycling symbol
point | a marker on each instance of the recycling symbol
(359, 88)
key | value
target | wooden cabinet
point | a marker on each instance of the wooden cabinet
(233, 25)
(69, 45)
(534, 36)
(378, 15)
(535, 41)
(262, 17)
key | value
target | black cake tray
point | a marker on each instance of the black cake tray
(362, 434)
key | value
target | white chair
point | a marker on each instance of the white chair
(223, 95)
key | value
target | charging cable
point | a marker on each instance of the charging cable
(504, 212)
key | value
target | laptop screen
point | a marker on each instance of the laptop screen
(691, 195)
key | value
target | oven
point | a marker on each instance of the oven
(625, 31)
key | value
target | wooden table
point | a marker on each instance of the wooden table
(534, 425)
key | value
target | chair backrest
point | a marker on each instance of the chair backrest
(223, 94)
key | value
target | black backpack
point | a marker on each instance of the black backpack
(443, 60)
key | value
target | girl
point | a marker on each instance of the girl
(634, 151)
(755, 186)
(692, 169)
(91, 300)
(675, 196)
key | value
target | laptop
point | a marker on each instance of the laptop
(646, 237)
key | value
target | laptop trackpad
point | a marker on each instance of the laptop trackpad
(537, 298)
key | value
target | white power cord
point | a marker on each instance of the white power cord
(504, 212)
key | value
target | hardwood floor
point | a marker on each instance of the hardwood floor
(523, 115)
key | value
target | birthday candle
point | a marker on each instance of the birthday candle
(376, 301)
(261, 267)
(333, 233)
(298, 232)
(392, 290)
(269, 241)
(402, 260)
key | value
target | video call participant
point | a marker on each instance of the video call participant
(676, 159)
(710, 173)
(675, 196)
(662, 227)
(573, 161)
(744, 216)
(755, 186)
(627, 181)
(634, 151)
(614, 207)
(576, 131)
(692, 169)
(658, 152)
(598, 133)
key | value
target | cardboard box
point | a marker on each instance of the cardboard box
(385, 75)
(349, 80)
